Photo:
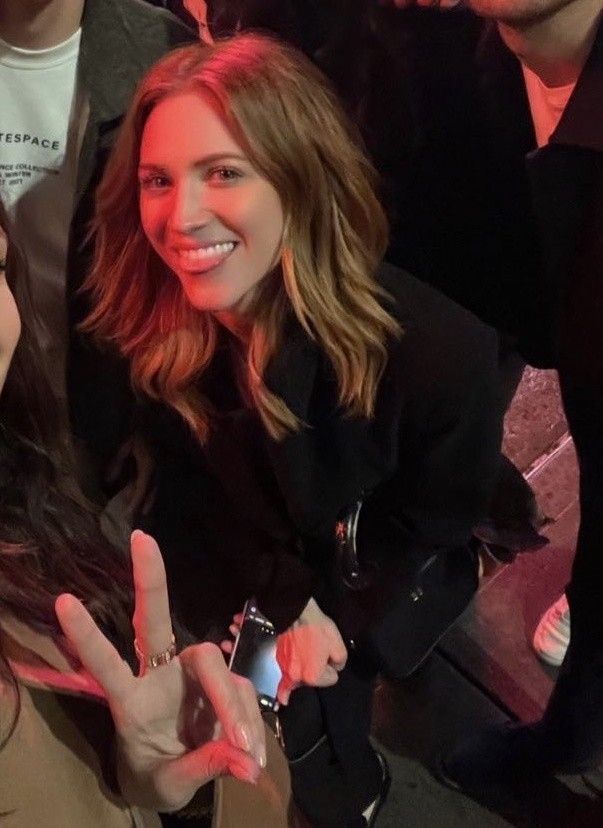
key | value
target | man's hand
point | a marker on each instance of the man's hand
(180, 724)
(198, 10)
(311, 652)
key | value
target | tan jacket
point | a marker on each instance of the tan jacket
(55, 769)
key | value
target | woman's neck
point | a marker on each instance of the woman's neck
(236, 324)
(555, 47)
(39, 24)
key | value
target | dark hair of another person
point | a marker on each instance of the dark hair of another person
(50, 540)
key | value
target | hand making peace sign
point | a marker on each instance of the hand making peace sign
(178, 724)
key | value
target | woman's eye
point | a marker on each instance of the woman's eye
(224, 175)
(154, 182)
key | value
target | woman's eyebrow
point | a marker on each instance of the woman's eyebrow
(150, 167)
(212, 158)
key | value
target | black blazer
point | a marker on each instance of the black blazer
(249, 515)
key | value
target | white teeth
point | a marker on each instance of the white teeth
(200, 253)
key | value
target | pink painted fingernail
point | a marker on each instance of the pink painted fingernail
(243, 737)
(244, 773)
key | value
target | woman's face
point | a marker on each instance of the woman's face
(10, 324)
(212, 218)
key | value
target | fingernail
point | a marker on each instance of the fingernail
(249, 774)
(243, 737)
(262, 760)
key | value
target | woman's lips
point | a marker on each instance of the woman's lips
(203, 258)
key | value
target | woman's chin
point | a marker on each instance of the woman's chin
(206, 301)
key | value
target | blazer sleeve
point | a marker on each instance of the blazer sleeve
(450, 440)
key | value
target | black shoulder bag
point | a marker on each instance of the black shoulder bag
(396, 600)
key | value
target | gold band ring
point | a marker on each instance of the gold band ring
(157, 659)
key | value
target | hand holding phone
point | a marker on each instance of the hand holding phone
(310, 652)
(254, 655)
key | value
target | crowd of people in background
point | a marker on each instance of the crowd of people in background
(270, 273)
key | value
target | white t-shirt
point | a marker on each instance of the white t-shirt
(40, 125)
(547, 104)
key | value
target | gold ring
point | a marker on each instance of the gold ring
(157, 659)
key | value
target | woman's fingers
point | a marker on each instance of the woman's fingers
(311, 654)
(285, 687)
(181, 778)
(327, 678)
(152, 621)
(249, 699)
(218, 758)
(204, 664)
(97, 654)
(338, 654)
(290, 660)
(227, 647)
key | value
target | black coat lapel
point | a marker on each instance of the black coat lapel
(333, 459)
(582, 122)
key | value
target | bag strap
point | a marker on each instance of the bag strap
(346, 531)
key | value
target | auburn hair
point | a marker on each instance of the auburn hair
(283, 113)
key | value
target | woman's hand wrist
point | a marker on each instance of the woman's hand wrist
(312, 614)
(310, 652)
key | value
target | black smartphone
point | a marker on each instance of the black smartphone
(254, 655)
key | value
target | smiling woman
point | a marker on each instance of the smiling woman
(238, 265)
(266, 175)
(206, 210)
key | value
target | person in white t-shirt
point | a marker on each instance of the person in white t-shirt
(67, 71)
(40, 127)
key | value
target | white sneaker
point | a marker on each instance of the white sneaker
(552, 635)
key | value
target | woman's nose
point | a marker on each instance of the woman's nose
(189, 210)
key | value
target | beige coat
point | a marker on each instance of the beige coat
(55, 769)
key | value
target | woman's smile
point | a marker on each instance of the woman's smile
(202, 258)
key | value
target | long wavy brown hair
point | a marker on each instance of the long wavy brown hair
(283, 113)
(49, 533)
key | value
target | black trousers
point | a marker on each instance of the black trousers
(335, 772)
(573, 721)
(513, 519)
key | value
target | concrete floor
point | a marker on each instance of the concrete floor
(484, 671)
